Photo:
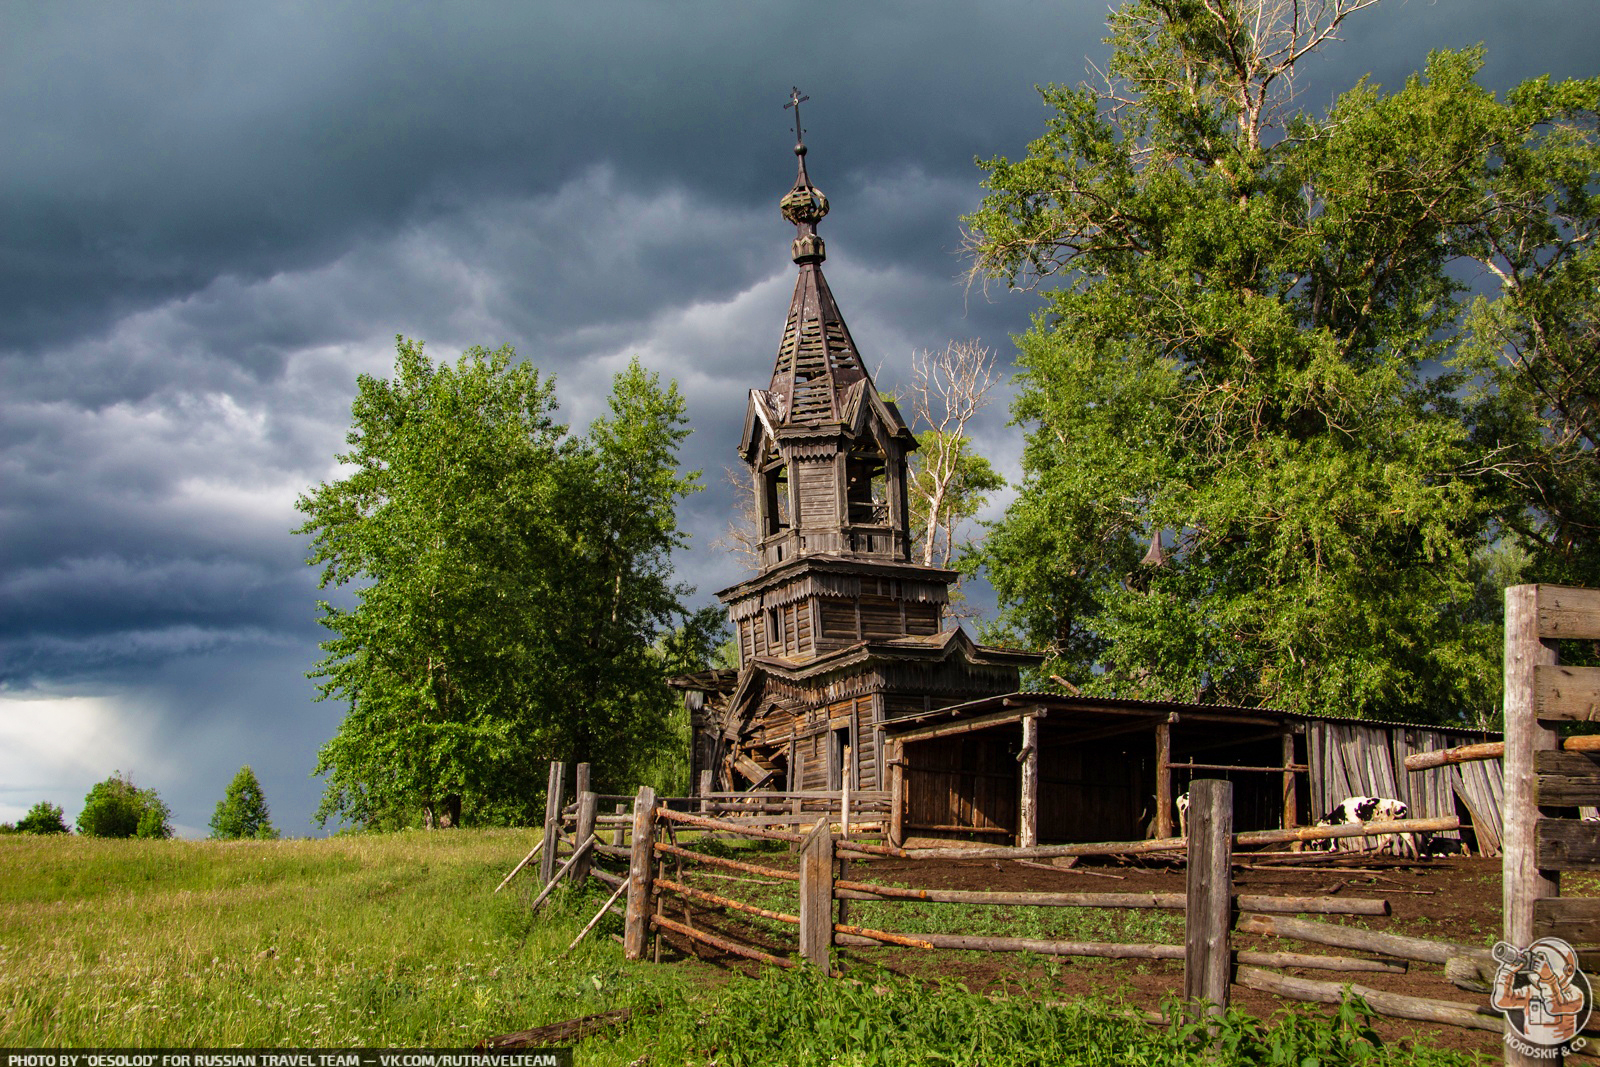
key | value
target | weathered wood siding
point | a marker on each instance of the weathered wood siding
(1358, 759)
(971, 782)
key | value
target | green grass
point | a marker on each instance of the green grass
(396, 940)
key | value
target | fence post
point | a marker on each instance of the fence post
(636, 921)
(581, 783)
(705, 790)
(554, 794)
(1522, 882)
(1028, 805)
(587, 803)
(816, 894)
(897, 793)
(1207, 962)
(617, 834)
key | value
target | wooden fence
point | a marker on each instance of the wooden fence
(1546, 781)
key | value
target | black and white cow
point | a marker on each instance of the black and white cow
(1182, 804)
(1360, 810)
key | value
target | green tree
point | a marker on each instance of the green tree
(510, 579)
(43, 818)
(1254, 349)
(242, 811)
(118, 808)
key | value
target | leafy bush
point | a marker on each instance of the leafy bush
(43, 818)
(242, 811)
(118, 808)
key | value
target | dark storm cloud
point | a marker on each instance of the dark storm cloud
(214, 216)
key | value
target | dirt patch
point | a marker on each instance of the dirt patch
(1456, 899)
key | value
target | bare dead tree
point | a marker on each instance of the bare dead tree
(742, 538)
(947, 391)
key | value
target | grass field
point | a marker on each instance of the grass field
(397, 941)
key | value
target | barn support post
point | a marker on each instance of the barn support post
(555, 791)
(1522, 881)
(816, 894)
(1028, 807)
(1207, 962)
(636, 917)
(587, 804)
(1291, 795)
(895, 752)
(1163, 779)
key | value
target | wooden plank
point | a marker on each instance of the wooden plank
(816, 895)
(1567, 694)
(1576, 920)
(1210, 894)
(1566, 779)
(1028, 803)
(554, 797)
(1565, 845)
(1523, 878)
(1323, 963)
(1396, 1005)
(1422, 761)
(1567, 612)
(636, 923)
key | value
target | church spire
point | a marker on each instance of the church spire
(817, 364)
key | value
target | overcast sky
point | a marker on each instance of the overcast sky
(214, 216)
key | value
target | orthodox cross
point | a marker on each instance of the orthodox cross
(795, 100)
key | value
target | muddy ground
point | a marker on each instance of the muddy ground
(1455, 899)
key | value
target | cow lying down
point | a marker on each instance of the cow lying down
(1361, 810)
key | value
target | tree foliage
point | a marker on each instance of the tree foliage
(118, 808)
(1256, 346)
(43, 818)
(510, 580)
(242, 811)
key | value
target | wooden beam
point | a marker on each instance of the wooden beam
(816, 896)
(1422, 761)
(1396, 1005)
(734, 947)
(1028, 805)
(587, 803)
(1420, 949)
(1523, 879)
(636, 925)
(1208, 918)
(554, 797)
(1570, 694)
(965, 726)
(1163, 779)
(1291, 797)
(849, 890)
(897, 792)
(1293, 767)
(1176, 844)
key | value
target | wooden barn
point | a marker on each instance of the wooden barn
(851, 676)
(1044, 768)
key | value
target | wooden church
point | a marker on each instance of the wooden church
(839, 633)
